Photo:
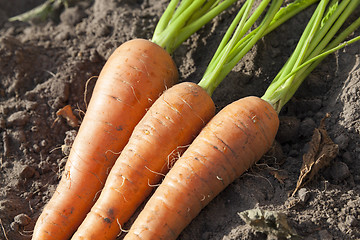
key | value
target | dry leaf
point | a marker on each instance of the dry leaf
(321, 152)
(269, 222)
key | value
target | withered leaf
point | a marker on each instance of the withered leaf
(321, 152)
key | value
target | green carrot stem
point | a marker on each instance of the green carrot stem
(208, 6)
(290, 77)
(239, 38)
(240, 17)
(251, 42)
(180, 21)
(165, 18)
(195, 24)
(281, 16)
(221, 64)
(218, 68)
(226, 45)
(315, 61)
(304, 42)
(279, 85)
(333, 15)
(288, 12)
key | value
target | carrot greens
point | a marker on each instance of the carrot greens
(239, 38)
(316, 42)
(181, 20)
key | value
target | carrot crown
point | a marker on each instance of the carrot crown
(180, 21)
(316, 42)
(236, 43)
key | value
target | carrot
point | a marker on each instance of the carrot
(143, 162)
(118, 103)
(134, 76)
(236, 137)
(231, 142)
(167, 128)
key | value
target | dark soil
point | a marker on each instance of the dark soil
(45, 66)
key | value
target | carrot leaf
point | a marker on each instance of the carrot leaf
(316, 42)
(181, 20)
(239, 39)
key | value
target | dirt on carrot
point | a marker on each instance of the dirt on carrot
(45, 67)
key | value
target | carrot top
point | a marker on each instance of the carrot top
(239, 39)
(316, 42)
(181, 20)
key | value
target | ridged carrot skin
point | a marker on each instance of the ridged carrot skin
(168, 127)
(132, 79)
(230, 143)
(172, 122)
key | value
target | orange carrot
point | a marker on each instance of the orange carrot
(238, 135)
(133, 77)
(167, 128)
(229, 144)
(170, 124)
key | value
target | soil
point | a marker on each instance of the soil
(44, 66)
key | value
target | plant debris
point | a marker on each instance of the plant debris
(321, 152)
(69, 116)
(271, 223)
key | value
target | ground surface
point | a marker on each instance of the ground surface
(45, 66)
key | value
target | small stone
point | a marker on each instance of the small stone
(27, 172)
(22, 219)
(303, 194)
